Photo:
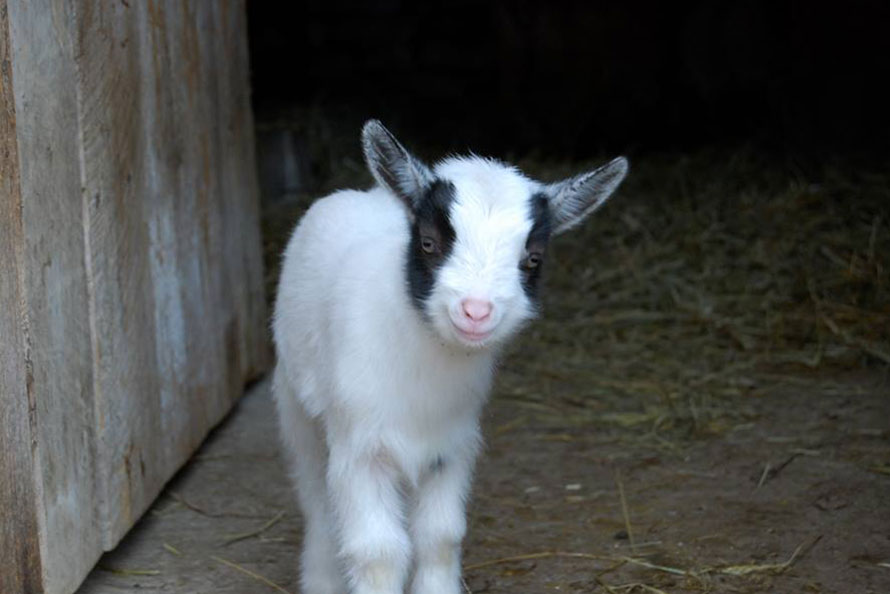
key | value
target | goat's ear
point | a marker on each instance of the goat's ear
(571, 200)
(392, 165)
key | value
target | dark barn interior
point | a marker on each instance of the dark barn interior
(704, 405)
(569, 79)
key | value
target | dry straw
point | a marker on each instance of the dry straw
(710, 278)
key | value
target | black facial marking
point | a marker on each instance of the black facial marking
(535, 246)
(431, 226)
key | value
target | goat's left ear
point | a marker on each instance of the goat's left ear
(571, 200)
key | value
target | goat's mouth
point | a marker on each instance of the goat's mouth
(472, 336)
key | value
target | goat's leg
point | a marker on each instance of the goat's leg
(438, 524)
(368, 507)
(305, 457)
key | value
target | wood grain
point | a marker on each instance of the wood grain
(132, 306)
(18, 500)
(57, 297)
(238, 167)
(123, 183)
(172, 234)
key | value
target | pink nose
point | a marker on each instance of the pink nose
(477, 310)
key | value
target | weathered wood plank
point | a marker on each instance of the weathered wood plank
(187, 231)
(200, 72)
(18, 517)
(174, 259)
(219, 238)
(120, 177)
(173, 233)
(57, 298)
(132, 306)
(240, 186)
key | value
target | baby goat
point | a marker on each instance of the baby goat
(392, 307)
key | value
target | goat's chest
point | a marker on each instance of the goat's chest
(416, 402)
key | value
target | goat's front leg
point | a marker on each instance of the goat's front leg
(364, 490)
(438, 525)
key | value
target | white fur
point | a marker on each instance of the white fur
(492, 219)
(378, 403)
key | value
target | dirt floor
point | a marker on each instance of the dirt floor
(794, 499)
(704, 406)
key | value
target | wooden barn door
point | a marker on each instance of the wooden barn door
(131, 304)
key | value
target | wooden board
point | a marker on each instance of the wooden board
(57, 299)
(124, 185)
(18, 500)
(138, 267)
(172, 233)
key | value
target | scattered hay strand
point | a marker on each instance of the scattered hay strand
(212, 514)
(747, 569)
(130, 572)
(625, 513)
(250, 574)
(510, 425)
(171, 549)
(614, 567)
(763, 476)
(637, 586)
(770, 472)
(245, 535)
(662, 568)
(466, 588)
(603, 584)
(532, 556)
(854, 341)
(731, 570)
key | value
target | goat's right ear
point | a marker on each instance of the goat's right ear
(392, 165)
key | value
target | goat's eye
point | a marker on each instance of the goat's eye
(428, 245)
(533, 260)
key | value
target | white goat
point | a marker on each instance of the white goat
(392, 306)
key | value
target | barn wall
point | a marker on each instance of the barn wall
(139, 262)
(57, 299)
(18, 500)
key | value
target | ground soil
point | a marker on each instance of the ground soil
(803, 474)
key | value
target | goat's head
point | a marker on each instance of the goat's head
(479, 234)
